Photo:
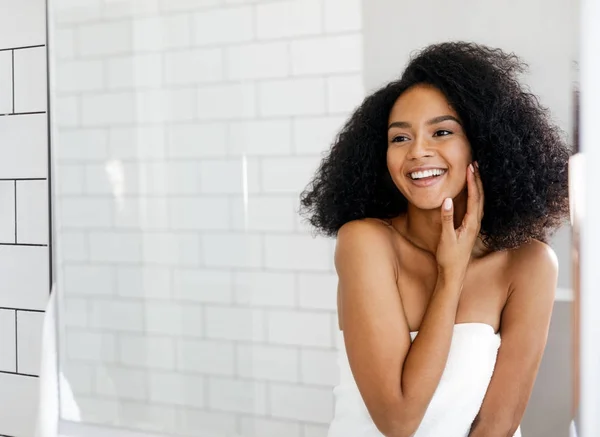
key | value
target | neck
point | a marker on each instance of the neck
(424, 227)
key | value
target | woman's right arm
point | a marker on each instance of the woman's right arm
(396, 380)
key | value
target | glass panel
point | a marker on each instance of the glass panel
(193, 299)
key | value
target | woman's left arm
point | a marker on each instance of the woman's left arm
(524, 329)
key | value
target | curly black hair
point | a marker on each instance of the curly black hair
(523, 157)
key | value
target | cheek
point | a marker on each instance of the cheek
(395, 161)
(461, 164)
(467, 153)
(459, 156)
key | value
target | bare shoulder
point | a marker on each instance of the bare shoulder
(367, 240)
(363, 234)
(364, 227)
(366, 265)
(534, 254)
(533, 263)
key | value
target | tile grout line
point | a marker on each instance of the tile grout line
(16, 241)
(22, 48)
(49, 157)
(22, 179)
(23, 244)
(22, 113)
(4, 372)
(13, 80)
(16, 345)
(22, 309)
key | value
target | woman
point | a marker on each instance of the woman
(421, 250)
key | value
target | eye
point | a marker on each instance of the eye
(399, 139)
(442, 133)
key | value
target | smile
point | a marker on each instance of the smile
(427, 178)
(434, 172)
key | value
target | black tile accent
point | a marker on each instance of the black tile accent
(23, 47)
(12, 66)
(16, 212)
(49, 142)
(25, 310)
(16, 344)
(22, 179)
(21, 113)
(19, 374)
(23, 244)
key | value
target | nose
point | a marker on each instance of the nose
(419, 148)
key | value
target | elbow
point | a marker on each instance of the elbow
(493, 428)
(394, 430)
(396, 424)
(508, 430)
(502, 430)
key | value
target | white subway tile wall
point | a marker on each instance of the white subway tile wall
(261, 427)
(30, 83)
(7, 206)
(344, 93)
(6, 82)
(162, 33)
(32, 212)
(186, 131)
(29, 341)
(18, 411)
(8, 341)
(303, 403)
(24, 206)
(24, 147)
(24, 279)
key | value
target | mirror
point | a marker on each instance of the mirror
(193, 299)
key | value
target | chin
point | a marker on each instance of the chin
(427, 204)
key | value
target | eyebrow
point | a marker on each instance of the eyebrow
(439, 119)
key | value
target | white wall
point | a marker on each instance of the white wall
(24, 254)
(194, 297)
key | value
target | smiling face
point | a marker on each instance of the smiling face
(428, 151)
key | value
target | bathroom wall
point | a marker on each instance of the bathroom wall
(195, 299)
(24, 240)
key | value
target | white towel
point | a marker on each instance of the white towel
(456, 401)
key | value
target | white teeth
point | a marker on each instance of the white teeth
(427, 173)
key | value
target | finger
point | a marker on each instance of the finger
(473, 196)
(448, 219)
(480, 188)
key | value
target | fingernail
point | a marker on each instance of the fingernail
(471, 168)
(448, 204)
(476, 164)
